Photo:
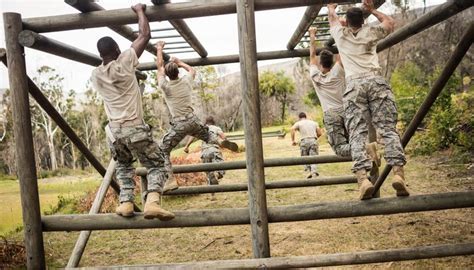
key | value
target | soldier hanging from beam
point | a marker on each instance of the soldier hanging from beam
(178, 97)
(367, 94)
(128, 135)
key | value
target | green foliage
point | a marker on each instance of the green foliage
(279, 86)
(65, 205)
(311, 99)
(449, 124)
(207, 81)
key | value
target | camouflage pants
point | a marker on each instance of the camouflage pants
(337, 134)
(372, 97)
(309, 147)
(212, 155)
(136, 141)
(180, 129)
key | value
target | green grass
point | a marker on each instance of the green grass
(49, 191)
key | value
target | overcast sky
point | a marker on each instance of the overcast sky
(218, 34)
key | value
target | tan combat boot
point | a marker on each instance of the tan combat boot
(365, 186)
(371, 149)
(399, 181)
(153, 208)
(125, 209)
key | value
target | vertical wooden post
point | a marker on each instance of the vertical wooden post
(252, 127)
(25, 159)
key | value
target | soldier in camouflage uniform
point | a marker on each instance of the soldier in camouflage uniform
(210, 151)
(127, 133)
(367, 93)
(178, 97)
(309, 133)
(329, 83)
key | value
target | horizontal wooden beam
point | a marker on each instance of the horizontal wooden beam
(162, 12)
(241, 164)
(308, 17)
(240, 216)
(234, 58)
(338, 180)
(325, 260)
(86, 6)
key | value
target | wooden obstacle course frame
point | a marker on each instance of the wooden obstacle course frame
(257, 214)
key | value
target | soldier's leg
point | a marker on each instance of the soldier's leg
(217, 158)
(153, 159)
(338, 137)
(356, 109)
(207, 158)
(314, 151)
(384, 118)
(169, 141)
(304, 150)
(124, 173)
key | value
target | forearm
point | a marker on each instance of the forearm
(160, 63)
(312, 50)
(143, 26)
(387, 21)
(189, 142)
(332, 17)
(293, 135)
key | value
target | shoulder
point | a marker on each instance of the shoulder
(377, 31)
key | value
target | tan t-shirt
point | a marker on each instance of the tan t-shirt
(307, 128)
(118, 86)
(330, 86)
(358, 50)
(178, 94)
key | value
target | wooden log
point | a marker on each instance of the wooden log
(240, 216)
(86, 6)
(234, 58)
(338, 180)
(241, 164)
(188, 35)
(44, 103)
(456, 57)
(98, 200)
(253, 128)
(309, 15)
(25, 159)
(163, 12)
(435, 16)
(36, 41)
(338, 259)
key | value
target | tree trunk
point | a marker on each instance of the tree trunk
(61, 158)
(52, 152)
(74, 159)
(283, 109)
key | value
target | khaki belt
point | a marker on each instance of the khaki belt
(130, 123)
(182, 118)
(362, 75)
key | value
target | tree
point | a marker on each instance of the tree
(50, 84)
(207, 82)
(278, 86)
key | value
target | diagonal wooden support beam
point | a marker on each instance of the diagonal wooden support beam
(309, 15)
(86, 6)
(105, 18)
(456, 58)
(241, 216)
(188, 35)
(99, 199)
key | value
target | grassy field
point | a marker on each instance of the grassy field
(153, 246)
(51, 190)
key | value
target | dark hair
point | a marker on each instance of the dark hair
(210, 120)
(302, 115)
(171, 70)
(326, 58)
(107, 47)
(355, 17)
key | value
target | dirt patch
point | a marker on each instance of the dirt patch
(12, 254)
